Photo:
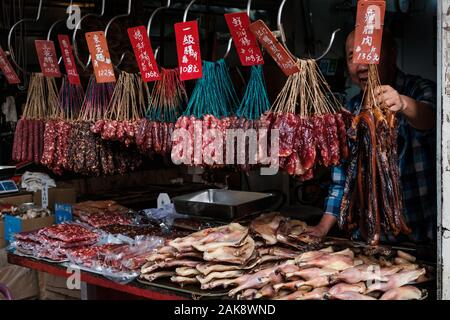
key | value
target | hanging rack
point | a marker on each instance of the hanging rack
(75, 47)
(110, 23)
(150, 21)
(10, 48)
(54, 25)
(283, 35)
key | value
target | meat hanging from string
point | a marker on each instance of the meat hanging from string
(372, 196)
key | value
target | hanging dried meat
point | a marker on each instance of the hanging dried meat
(167, 101)
(310, 122)
(125, 108)
(210, 107)
(42, 101)
(373, 195)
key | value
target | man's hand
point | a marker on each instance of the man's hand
(393, 100)
(325, 224)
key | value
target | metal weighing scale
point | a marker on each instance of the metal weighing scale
(7, 185)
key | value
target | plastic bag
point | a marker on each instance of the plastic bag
(164, 216)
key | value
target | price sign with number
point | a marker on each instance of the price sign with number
(68, 58)
(101, 60)
(245, 42)
(369, 32)
(188, 49)
(8, 71)
(63, 212)
(144, 54)
(47, 58)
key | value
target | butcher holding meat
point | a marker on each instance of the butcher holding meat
(414, 101)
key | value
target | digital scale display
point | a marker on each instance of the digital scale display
(8, 186)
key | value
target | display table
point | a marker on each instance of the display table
(96, 284)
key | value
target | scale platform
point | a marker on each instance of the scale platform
(7, 185)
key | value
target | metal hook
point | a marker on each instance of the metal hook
(283, 35)
(10, 48)
(74, 42)
(110, 23)
(249, 5)
(187, 10)
(54, 25)
(150, 21)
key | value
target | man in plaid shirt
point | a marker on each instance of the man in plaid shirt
(414, 100)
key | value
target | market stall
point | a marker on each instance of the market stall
(233, 167)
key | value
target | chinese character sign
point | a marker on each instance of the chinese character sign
(8, 71)
(47, 58)
(245, 42)
(188, 49)
(101, 60)
(369, 32)
(144, 53)
(279, 53)
(68, 58)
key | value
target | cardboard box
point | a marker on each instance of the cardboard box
(55, 288)
(62, 195)
(22, 282)
(27, 225)
(14, 199)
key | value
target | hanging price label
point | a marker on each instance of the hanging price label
(101, 60)
(369, 32)
(47, 58)
(279, 53)
(188, 49)
(69, 60)
(10, 75)
(144, 54)
(245, 42)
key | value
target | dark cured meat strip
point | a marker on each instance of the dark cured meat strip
(156, 134)
(148, 138)
(120, 132)
(332, 138)
(349, 191)
(164, 135)
(36, 141)
(321, 140)
(49, 144)
(30, 141)
(342, 133)
(24, 141)
(169, 137)
(287, 125)
(18, 136)
(41, 139)
(307, 152)
(140, 131)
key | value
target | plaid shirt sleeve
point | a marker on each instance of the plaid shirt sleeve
(335, 192)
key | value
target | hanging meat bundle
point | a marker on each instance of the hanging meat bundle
(373, 195)
(42, 100)
(166, 103)
(58, 127)
(126, 107)
(206, 119)
(310, 122)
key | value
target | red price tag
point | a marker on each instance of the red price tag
(47, 58)
(144, 54)
(69, 61)
(245, 42)
(10, 75)
(188, 49)
(279, 53)
(369, 32)
(101, 60)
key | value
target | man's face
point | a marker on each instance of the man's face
(360, 72)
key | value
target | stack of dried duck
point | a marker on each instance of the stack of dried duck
(274, 259)
(373, 195)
